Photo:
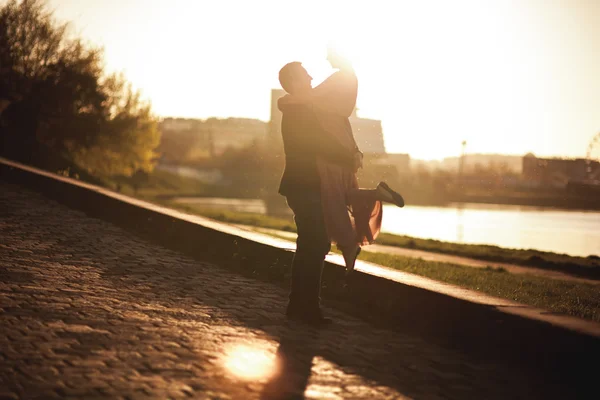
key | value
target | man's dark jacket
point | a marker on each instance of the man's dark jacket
(303, 141)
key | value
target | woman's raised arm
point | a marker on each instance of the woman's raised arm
(337, 94)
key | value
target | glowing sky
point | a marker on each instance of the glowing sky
(507, 76)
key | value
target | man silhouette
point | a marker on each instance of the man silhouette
(303, 141)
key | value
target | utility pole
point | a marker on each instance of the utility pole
(461, 161)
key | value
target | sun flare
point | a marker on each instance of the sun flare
(497, 74)
(249, 362)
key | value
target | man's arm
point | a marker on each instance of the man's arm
(336, 95)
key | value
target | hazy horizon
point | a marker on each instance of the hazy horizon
(510, 77)
(433, 160)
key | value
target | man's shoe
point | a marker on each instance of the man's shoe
(309, 316)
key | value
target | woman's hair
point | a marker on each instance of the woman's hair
(287, 74)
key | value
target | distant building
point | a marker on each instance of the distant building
(510, 162)
(235, 133)
(189, 139)
(177, 124)
(558, 172)
(368, 133)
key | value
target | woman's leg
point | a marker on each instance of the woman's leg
(366, 195)
(381, 193)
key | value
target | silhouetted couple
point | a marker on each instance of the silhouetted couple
(319, 180)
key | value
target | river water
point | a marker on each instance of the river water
(520, 227)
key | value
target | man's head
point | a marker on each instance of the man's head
(294, 78)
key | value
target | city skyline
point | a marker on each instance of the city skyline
(508, 77)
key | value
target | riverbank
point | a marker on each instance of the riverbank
(561, 199)
(569, 297)
(585, 267)
(164, 187)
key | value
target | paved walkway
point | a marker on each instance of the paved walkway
(445, 258)
(89, 311)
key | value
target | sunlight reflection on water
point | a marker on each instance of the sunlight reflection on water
(519, 227)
